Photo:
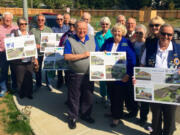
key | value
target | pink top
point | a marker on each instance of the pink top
(4, 31)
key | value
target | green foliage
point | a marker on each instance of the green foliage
(14, 121)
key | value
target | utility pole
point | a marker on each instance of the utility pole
(25, 10)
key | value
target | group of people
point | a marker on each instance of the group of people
(152, 47)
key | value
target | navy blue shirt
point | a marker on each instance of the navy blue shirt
(68, 49)
(62, 29)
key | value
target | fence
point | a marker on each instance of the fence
(133, 13)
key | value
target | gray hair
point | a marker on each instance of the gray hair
(19, 19)
(121, 16)
(80, 21)
(166, 25)
(73, 20)
(141, 26)
(87, 13)
(42, 16)
(7, 13)
(106, 20)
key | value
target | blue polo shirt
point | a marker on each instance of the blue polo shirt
(62, 29)
(68, 49)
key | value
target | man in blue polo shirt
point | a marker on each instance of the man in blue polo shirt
(80, 91)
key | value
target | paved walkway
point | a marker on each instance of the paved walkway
(48, 116)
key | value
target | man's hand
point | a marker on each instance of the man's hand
(86, 54)
(125, 78)
(38, 46)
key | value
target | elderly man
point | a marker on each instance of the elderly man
(40, 28)
(76, 52)
(87, 18)
(162, 53)
(131, 25)
(66, 19)
(121, 19)
(5, 30)
(62, 28)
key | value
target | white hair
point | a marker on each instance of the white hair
(142, 26)
(7, 13)
(105, 20)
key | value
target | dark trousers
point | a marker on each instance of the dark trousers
(3, 67)
(162, 113)
(130, 103)
(13, 76)
(39, 73)
(116, 96)
(24, 79)
(61, 78)
(80, 95)
(144, 110)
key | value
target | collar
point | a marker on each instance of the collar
(86, 38)
(170, 47)
(20, 33)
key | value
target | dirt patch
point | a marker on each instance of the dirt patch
(3, 107)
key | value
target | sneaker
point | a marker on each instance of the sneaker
(88, 119)
(72, 123)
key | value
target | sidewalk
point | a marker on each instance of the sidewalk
(49, 116)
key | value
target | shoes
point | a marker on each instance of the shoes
(72, 123)
(30, 97)
(50, 87)
(2, 93)
(115, 123)
(130, 115)
(88, 119)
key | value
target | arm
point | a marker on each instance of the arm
(73, 57)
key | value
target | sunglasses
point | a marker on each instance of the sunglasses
(59, 19)
(41, 20)
(23, 24)
(104, 24)
(154, 25)
(168, 34)
(71, 24)
(139, 33)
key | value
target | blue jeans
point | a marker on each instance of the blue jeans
(3, 86)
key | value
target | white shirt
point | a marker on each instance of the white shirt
(114, 47)
(161, 57)
(90, 30)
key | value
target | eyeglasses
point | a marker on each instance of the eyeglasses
(104, 24)
(71, 24)
(23, 24)
(59, 19)
(168, 34)
(154, 25)
(41, 20)
(139, 33)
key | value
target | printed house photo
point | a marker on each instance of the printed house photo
(115, 71)
(173, 78)
(29, 43)
(95, 60)
(43, 45)
(15, 53)
(142, 75)
(167, 93)
(61, 64)
(143, 93)
(50, 54)
(58, 37)
(48, 64)
(30, 52)
(97, 73)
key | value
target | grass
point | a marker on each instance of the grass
(13, 119)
